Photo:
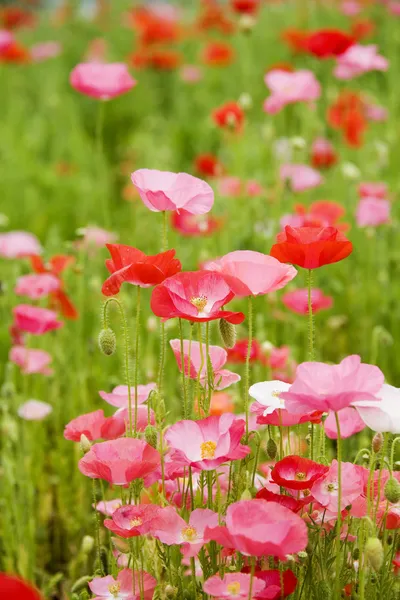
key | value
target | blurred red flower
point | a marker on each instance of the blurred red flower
(238, 353)
(56, 265)
(348, 115)
(230, 115)
(247, 7)
(362, 28)
(208, 165)
(218, 54)
(13, 17)
(327, 43)
(152, 28)
(14, 588)
(15, 53)
(323, 154)
(212, 16)
(296, 39)
(194, 225)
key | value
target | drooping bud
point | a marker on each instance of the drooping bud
(150, 435)
(107, 341)
(85, 443)
(377, 442)
(87, 544)
(392, 490)
(272, 448)
(228, 333)
(374, 553)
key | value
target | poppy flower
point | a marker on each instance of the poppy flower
(359, 59)
(373, 189)
(289, 88)
(13, 17)
(164, 59)
(297, 473)
(119, 461)
(35, 320)
(229, 116)
(350, 423)
(245, 7)
(348, 114)
(119, 397)
(12, 586)
(36, 286)
(89, 425)
(372, 212)
(362, 28)
(108, 588)
(296, 39)
(238, 353)
(194, 225)
(194, 296)
(208, 165)
(218, 54)
(311, 247)
(131, 521)
(55, 266)
(327, 43)
(323, 154)
(162, 190)
(15, 53)
(382, 415)
(30, 360)
(34, 410)
(103, 81)
(213, 17)
(233, 585)
(300, 177)
(130, 265)
(153, 27)
(297, 301)
(325, 489)
(18, 244)
(282, 499)
(273, 580)
(45, 50)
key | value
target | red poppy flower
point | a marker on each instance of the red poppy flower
(153, 28)
(208, 165)
(348, 115)
(17, 589)
(323, 154)
(15, 53)
(311, 247)
(195, 296)
(245, 7)
(58, 299)
(213, 17)
(13, 17)
(297, 473)
(327, 43)
(287, 501)
(229, 115)
(273, 580)
(218, 54)
(295, 39)
(238, 353)
(194, 225)
(362, 28)
(131, 265)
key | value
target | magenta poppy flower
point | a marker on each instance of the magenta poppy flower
(34, 410)
(290, 87)
(322, 387)
(89, 425)
(326, 489)
(349, 420)
(37, 285)
(372, 212)
(119, 397)
(100, 80)
(30, 360)
(218, 357)
(17, 244)
(297, 301)
(258, 528)
(194, 296)
(297, 473)
(171, 529)
(234, 586)
(207, 443)
(301, 177)
(35, 320)
(131, 521)
(251, 273)
(119, 461)
(121, 588)
(163, 190)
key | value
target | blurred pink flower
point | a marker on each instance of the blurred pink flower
(108, 588)
(230, 187)
(6, 39)
(358, 60)
(297, 301)
(301, 177)
(253, 188)
(372, 212)
(218, 357)
(290, 87)
(326, 489)
(30, 360)
(251, 273)
(374, 112)
(119, 397)
(34, 410)
(35, 320)
(45, 50)
(350, 8)
(95, 236)
(234, 586)
(374, 189)
(163, 190)
(17, 244)
(102, 81)
(394, 8)
(37, 285)
(191, 73)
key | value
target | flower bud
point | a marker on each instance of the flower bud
(85, 443)
(81, 583)
(272, 448)
(107, 341)
(392, 490)
(246, 23)
(323, 590)
(150, 435)
(120, 544)
(374, 553)
(245, 101)
(377, 442)
(246, 495)
(228, 333)
(170, 591)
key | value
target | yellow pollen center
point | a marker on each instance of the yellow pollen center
(233, 588)
(189, 534)
(275, 394)
(300, 476)
(136, 522)
(114, 588)
(208, 449)
(331, 487)
(199, 302)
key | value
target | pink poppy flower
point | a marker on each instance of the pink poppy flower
(34, 410)
(297, 301)
(358, 60)
(89, 425)
(394, 8)
(119, 461)
(108, 507)
(191, 73)
(207, 443)
(251, 273)
(35, 320)
(171, 529)
(17, 244)
(96, 237)
(230, 187)
(117, 425)
(350, 8)
(318, 386)
(45, 50)
(163, 190)
(119, 396)
(326, 489)
(349, 420)
(195, 225)
(37, 285)
(218, 357)
(288, 88)
(372, 212)
(233, 585)
(323, 154)
(301, 177)
(122, 588)
(131, 521)
(102, 81)
(374, 189)
(6, 40)
(253, 188)
(258, 527)
(30, 360)
(195, 296)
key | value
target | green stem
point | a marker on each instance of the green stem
(137, 334)
(97, 526)
(253, 568)
(164, 232)
(199, 407)
(100, 162)
(184, 388)
(193, 570)
(311, 332)
(210, 374)
(339, 515)
(247, 370)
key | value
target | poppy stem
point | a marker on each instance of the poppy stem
(198, 393)
(164, 246)
(247, 370)
(97, 525)
(100, 157)
(184, 388)
(253, 568)
(339, 515)
(311, 332)
(209, 370)
(137, 332)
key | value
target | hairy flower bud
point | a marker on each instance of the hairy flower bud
(377, 442)
(228, 333)
(150, 435)
(246, 495)
(107, 341)
(85, 443)
(81, 583)
(170, 591)
(392, 490)
(87, 544)
(374, 553)
(272, 448)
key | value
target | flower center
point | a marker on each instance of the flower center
(332, 487)
(233, 588)
(199, 302)
(300, 476)
(136, 522)
(189, 534)
(208, 449)
(114, 588)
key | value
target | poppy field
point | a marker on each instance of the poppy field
(199, 296)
